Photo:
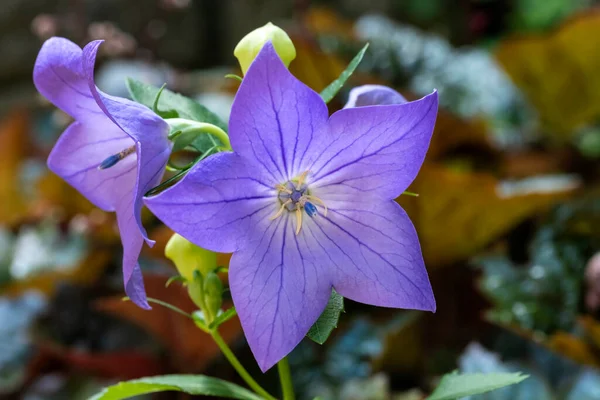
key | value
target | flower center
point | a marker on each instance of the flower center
(295, 196)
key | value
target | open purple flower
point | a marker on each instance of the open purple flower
(114, 152)
(306, 203)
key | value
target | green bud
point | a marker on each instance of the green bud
(213, 293)
(248, 48)
(188, 257)
(195, 292)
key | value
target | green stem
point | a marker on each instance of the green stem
(410, 194)
(285, 377)
(180, 125)
(238, 366)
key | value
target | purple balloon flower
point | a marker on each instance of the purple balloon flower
(306, 204)
(114, 152)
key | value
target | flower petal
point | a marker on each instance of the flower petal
(148, 130)
(75, 158)
(132, 240)
(274, 117)
(373, 95)
(374, 150)
(79, 151)
(375, 254)
(58, 75)
(218, 205)
(279, 289)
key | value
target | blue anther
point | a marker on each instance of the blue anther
(310, 208)
(110, 161)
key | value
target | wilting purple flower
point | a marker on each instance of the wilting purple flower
(306, 203)
(114, 152)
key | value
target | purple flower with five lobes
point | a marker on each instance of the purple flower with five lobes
(306, 203)
(114, 152)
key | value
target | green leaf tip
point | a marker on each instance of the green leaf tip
(455, 386)
(334, 87)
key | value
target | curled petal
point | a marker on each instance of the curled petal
(274, 118)
(218, 205)
(373, 95)
(58, 74)
(279, 288)
(374, 150)
(148, 130)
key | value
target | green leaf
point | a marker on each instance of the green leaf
(185, 107)
(223, 317)
(172, 105)
(192, 384)
(334, 87)
(455, 386)
(328, 320)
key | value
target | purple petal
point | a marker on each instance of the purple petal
(148, 130)
(376, 150)
(274, 118)
(105, 126)
(373, 95)
(280, 287)
(58, 75)
(374, 252)
(79, 151)
(219, 205)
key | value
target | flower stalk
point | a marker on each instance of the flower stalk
(285, 377)
(238, 366)
(181, 126)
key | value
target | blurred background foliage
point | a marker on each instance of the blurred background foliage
(508, 213)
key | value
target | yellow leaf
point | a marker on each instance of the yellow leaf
(558, 72)
(13, 145)
(458, 213)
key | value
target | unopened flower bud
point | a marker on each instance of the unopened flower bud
(188, 257)
(195, 291)
(213, 293)
(251, 44)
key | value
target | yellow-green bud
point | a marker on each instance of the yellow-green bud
(249, 47)
(195, 291)
(213, 293)
(188, 257)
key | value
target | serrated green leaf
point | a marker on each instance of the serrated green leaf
(191, 384)
(455, 386)
(334, 87)
(328, 320)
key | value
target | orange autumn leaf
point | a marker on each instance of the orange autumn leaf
(458, 213)
(573, 347)
(191, 348)
(54, 194)
(558, 72)
(452, 132)
(325, 21)
(13, 146)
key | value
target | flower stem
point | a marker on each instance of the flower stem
(180, 125)
(238, 366)
(285, 377)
